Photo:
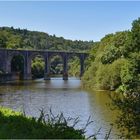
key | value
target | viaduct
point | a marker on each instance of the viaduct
(6, 56)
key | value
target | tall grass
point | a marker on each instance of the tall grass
(18, 126)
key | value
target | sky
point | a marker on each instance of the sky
(76, 20)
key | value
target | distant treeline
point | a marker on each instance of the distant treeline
(25, 39)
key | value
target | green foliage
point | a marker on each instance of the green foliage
(110, 55)
(3, 40)
(102, 76)
(56, 65)
(128, 120)
(74, 67)
(114, 64)
(136, 35)
(108, 76)
(128, 76)
(38, 67)
(17, 126)
(117, 48)
(88, 79)
(24, 39)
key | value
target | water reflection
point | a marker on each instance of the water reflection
(61, 96)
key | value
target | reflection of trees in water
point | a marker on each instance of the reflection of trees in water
(128, 120)
(103, 115)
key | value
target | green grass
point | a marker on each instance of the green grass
(15, 125)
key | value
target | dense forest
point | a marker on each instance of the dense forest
(25, 39)
(114, 64)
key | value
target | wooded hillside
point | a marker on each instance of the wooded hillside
(25, 39)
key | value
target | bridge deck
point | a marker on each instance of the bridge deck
(33, 50)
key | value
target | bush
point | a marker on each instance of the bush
(17, 126)
(105, 77)
(38, 66)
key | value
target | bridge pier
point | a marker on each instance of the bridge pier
(47, 76)
(65, 76)
(27, 68)
(27, 76)
(3, 61)
(65, 67)
(47, 69)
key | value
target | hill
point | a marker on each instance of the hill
(25, 39)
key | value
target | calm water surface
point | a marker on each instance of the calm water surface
(61, 96)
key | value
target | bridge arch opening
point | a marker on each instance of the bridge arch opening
(56, 65)
(17, 66)
(74, 66)
(37, 66)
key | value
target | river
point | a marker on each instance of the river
(61, 96)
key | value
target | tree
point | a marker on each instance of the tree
(136, 35)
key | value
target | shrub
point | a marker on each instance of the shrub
(17, 126)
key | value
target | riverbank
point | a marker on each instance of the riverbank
(15, 125)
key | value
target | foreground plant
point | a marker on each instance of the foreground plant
(16, 126)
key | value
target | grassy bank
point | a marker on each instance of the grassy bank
(15, 125)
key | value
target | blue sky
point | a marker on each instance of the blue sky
(81, 20)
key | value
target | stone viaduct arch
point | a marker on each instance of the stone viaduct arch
(10, 57)
(6, 56)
